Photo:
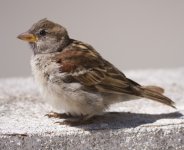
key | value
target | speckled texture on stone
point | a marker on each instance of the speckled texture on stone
(139, 124)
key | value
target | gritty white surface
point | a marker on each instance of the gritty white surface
(139, 124)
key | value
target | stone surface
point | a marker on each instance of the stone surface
(139, 124)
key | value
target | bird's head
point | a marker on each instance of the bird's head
(46, 37)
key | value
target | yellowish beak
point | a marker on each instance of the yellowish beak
(27, 37)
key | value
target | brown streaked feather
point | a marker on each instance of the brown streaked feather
(156, 96)
(90, 78)
(68, 66)
(90, 69)
(86, 66)
(154, 88)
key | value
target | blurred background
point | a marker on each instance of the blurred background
(131, 34)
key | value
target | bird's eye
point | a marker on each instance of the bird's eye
(42, 32)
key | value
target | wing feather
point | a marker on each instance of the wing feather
(86, 66)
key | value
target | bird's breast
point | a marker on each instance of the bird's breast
(67, 96)
(39, 70)
(51, 85)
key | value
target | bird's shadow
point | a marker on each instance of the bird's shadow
(118, 120)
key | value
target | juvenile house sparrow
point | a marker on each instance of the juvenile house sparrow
(75, 78)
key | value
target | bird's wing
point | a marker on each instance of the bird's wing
(86, 66)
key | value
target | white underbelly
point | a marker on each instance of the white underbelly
(67, 97)
(61, 99)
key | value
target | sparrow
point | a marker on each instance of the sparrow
(76, 79)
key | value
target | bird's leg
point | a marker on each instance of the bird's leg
(59, 115)
(82, 120)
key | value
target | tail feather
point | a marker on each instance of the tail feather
(155, 93)
(154, 88)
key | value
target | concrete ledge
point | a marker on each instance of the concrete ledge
(139, 124)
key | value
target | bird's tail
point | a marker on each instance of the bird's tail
(156, 93)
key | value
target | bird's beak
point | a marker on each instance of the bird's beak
(27, 37)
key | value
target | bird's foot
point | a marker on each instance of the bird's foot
(58, 115)
(73, 122)
(76, 121)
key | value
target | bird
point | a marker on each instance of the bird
(75, 79)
